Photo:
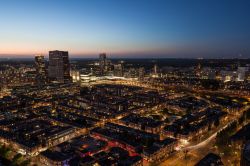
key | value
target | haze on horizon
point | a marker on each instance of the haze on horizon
(128, 28)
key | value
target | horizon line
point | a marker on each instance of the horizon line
(116, 58)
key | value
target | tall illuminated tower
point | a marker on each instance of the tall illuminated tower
(102, 63)
(40, 69)
(59, 67)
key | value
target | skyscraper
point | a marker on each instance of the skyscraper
(141, 73)
(40, 69)
(102, 63)
(59, 67)
(119, 70)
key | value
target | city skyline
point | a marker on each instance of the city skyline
(125, 29)
(131, 112)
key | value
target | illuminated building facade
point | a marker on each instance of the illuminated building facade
(103, 63)
(59, 67)
(40, 69)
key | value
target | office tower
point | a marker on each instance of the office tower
(103, 63)
(59, 67)
(119, 70)
(131, 73)
(40, 69)
(141, 73)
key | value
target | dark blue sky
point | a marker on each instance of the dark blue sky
(128, 28)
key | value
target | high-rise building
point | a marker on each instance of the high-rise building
(141, 73)
(119, 70)
(59, 67)
(103, 63)
(40, 69)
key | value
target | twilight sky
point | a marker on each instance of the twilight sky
(126, 28)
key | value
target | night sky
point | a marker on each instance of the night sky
(126, 28)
